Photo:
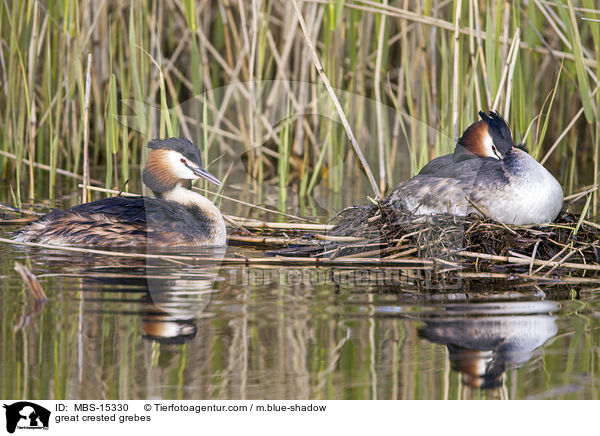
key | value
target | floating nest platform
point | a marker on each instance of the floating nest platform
(567, 250)
(473, 243)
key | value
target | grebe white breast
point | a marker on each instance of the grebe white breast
(486, 170)
(177, 216)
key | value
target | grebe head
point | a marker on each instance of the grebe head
(173, 162)
(490, 137)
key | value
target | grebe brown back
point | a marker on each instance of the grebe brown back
(177, 216)
(486, 170)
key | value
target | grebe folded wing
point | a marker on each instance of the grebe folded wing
(118, 221)
(117, 208)
(101, 222)
(445, 166)
(440, 187)
(436, 165)
(427, 194)
(134, 209)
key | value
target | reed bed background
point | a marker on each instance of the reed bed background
(409, 75)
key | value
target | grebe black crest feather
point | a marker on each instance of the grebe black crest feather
(489, 137)
(181, 145)
(499, 131)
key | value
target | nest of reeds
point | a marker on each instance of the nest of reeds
(389, 233)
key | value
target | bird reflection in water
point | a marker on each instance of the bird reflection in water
(172, 297)
(174, 304)
(486, 339)
(160, 327)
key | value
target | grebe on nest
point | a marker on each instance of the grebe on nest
(177, 216)
(486, 170)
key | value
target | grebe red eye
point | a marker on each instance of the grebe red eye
(183, 161)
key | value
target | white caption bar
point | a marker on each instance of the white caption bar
(159, 417)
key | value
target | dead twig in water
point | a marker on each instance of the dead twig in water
(39, 296)
(248, 261)
(32, 282)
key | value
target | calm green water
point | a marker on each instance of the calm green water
(121, 328)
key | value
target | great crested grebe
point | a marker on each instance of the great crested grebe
(488, 171)
(177, 216)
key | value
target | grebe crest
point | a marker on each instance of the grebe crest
(177, 216)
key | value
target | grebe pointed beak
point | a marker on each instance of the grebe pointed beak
(201, 172)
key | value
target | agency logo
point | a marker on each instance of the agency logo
(26, 415)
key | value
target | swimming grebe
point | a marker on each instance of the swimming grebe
(486, 168)
(177, 216)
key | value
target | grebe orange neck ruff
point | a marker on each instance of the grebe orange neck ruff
(486, 170)
(177, 216)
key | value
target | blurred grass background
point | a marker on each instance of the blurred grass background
(535, 61)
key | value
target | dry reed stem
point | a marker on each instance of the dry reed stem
(535, 248)
(257, 224)
(486, 81)
(552, 18)
(282, 261)
(522, 256)
(109, 191)
(378, 103)
(525, 261)
(455, 79)
(528, 278)
(405, 253)
(336, 103)
(447, 25)
(566, 129)
(339, 238)
(577, 195)
(267, 240)
(561, 262)
(511, 71)
(129, 194)
(589, 223)
(47, 167)
(17, 210)
(473, 59)
(511, 58)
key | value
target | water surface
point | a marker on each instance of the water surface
(122, 328)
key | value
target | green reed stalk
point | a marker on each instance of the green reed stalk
(151, 58)
(283, 162)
